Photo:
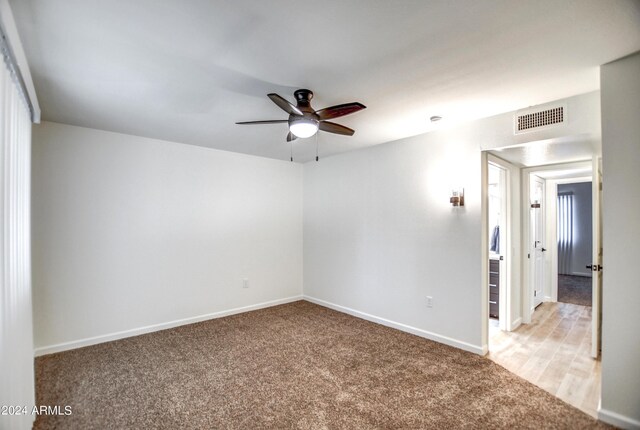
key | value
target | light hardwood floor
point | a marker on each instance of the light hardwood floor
(553, 352)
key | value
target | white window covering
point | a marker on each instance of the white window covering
(565, 232)
(16, 333)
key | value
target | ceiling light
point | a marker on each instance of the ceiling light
(435, 118)
(303, 127)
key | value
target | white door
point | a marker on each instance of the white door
(537, 236)
(596, 265)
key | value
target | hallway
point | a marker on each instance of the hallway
(553, 352)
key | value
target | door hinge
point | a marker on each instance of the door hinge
(535, 293)
(528, 255)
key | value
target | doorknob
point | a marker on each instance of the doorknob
(594, 267)
(589, 266)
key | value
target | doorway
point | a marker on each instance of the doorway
(501, 256)
(497, 218)
(574, 223)
(583, 188)
(553, 350)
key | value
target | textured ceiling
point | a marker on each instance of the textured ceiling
(185, 71)
(552, 151)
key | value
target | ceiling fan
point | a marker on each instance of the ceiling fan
(304, 121)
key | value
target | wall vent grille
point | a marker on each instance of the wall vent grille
(537, 119)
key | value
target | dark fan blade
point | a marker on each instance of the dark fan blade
(272, 121)
(339, 110)
(291, 137)
(284, 104)
(332, 127)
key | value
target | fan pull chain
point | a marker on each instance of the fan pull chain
(291, 146)
(316, 146)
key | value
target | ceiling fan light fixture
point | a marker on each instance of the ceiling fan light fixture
(304, 121)
(303, 127)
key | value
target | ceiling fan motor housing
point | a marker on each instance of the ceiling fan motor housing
(303, 99)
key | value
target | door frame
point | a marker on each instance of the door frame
(505, 238)
(511, 320)
(527, 292)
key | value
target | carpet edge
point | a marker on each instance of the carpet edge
(74, 344)
(476, 349)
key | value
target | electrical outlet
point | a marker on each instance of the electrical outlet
(429, 301)
(245, 283)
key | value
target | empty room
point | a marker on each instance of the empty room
(331, 215)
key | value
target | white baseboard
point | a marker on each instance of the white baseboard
(618, 420)
(515, 324)
(65, 346)
(480, 350)
(585, 274)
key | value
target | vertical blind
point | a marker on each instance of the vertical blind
(16, 333)
(565, 232)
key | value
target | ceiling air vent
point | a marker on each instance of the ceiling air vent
(537, 118)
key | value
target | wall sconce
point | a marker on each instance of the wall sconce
(536, 198)
(457, 197)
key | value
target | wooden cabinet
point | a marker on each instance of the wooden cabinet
(494, 288)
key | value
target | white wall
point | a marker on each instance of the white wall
(380, 234)
(582, 224)
(620, 92)
(130, 232)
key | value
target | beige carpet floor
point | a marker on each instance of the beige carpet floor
(292, 366)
